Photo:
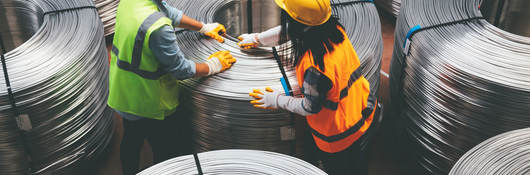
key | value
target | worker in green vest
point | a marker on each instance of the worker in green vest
(145, 65)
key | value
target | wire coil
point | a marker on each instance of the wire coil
(58, 73)
(235, 162)
(391, 6)
(107, 12)
(222, 117)
(457, 84)
(507, 153)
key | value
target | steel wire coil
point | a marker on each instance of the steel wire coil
(504, 154)
(459, 85)
(222, 117)
(58, 71)
(107, 12)
(235, 162)
(391, 6)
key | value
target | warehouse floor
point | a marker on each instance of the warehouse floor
(383, 158)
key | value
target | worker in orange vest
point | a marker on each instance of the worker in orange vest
(336, 98)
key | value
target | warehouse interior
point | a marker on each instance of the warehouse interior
(450, 81)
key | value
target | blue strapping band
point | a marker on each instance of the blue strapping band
(411, 31)
(284, 85)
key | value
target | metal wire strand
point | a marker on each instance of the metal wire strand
(107, 12)
(504, 154)
(59, 76)
(235, 162)
(222, 117)
(459, 85)
(391, 6)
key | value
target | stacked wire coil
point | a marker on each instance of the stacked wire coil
(458, 84)
(235, 162)
(391, 6)
(222, 117)
(107, 12)
(59, 79)
(507, 153)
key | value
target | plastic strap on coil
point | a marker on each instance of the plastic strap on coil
(418, 28)
(23, 121)
(197, 163)
(352, 2)
(69, 9)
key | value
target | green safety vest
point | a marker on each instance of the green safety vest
(138, 85)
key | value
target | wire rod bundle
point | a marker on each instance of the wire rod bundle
(391, 6)
(455, 84)
(59, 79)
(235, 162)
(506, 154)
(222, 117)
(107, 12)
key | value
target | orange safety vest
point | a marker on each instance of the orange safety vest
(349, 107)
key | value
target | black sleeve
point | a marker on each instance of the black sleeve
(315, 88)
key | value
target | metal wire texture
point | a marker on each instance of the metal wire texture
(222, 117)
(459, 84)
(57, 65)
(391, 6)
(107, 12)
(235, 162)
(504, 154)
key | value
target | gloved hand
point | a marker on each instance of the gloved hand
(268, 38)
(267, 99)
(219, 62)
(212, 30)
(248, 41)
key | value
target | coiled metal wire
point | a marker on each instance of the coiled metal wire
(222, 117)
(235, 162)
(391, 6)
(459, 85)
(504, 154)
(58, 74)
(107, 12)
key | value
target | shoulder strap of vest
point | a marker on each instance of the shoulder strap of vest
(134, 66)
(344, 92)
(372, 108)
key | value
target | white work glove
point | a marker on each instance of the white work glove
(248, 41)
(268, 38)
(219, 62)
(268, 99)
(274, 99)
(213, 30)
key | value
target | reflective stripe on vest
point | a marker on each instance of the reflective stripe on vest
(134, 66)
(344, 92)
(366, 113)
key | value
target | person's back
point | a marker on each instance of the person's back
(336, 98)
(346, 90)
(138, 85)
(146, 64)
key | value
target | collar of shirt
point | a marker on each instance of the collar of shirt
(161, 6)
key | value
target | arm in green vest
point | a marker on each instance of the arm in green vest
(163, 43)
(212, 30)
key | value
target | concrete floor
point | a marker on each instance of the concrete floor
(383, 158)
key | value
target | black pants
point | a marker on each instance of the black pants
(351, 161)
(166, 137)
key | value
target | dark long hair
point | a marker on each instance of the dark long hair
(316, 39)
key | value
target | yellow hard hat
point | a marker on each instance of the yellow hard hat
(308, 12)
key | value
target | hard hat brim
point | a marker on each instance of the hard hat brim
(281, 4)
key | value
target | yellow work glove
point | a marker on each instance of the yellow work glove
(267, 99)
(219, 62)
(213, 30)
(248, 41)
